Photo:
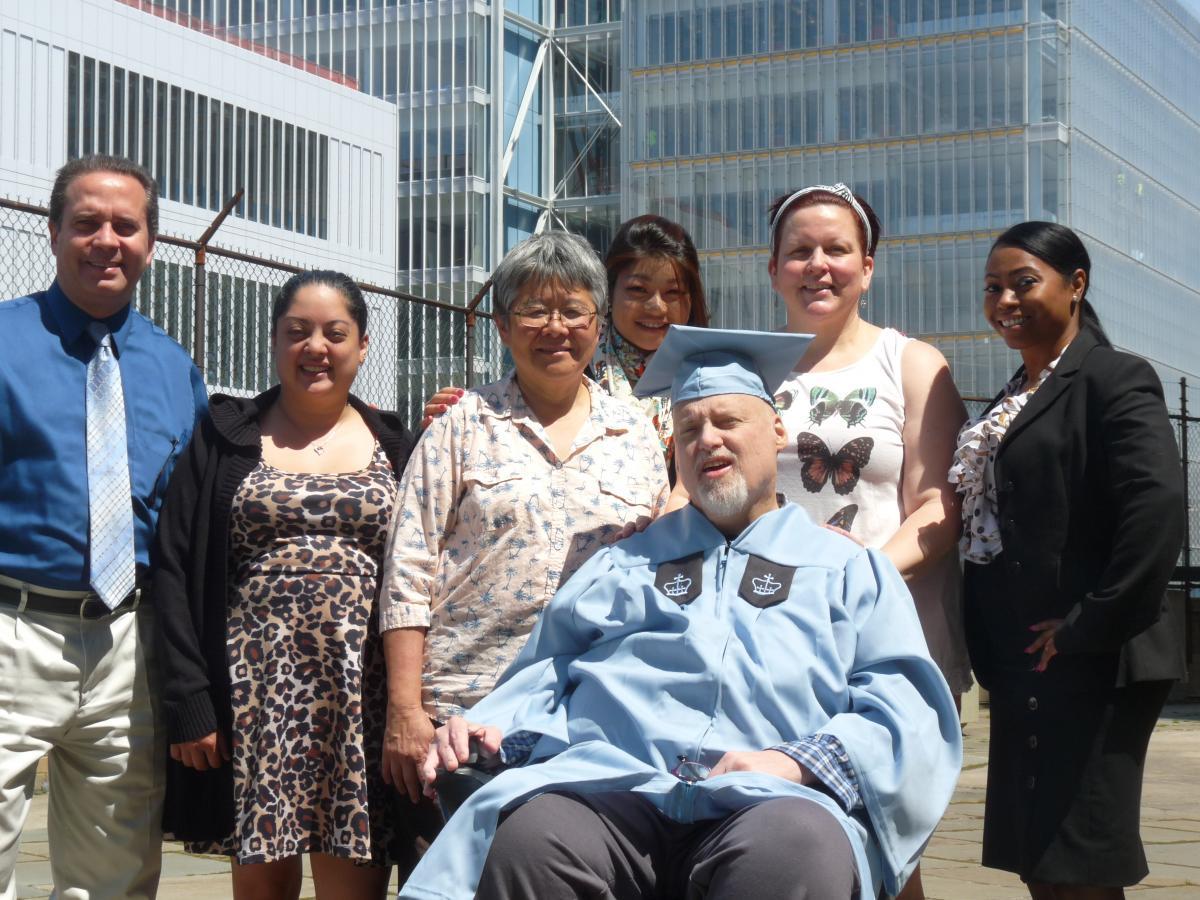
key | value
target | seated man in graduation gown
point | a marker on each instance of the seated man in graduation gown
(734, 703)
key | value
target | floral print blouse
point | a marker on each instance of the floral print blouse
(489, 523)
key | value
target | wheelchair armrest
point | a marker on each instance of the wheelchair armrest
(453, 788)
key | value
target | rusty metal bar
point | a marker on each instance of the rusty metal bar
(470, 342)
(200, 281)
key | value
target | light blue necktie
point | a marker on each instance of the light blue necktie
(110, 501)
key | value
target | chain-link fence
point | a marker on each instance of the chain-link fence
(416, 344)
(1187, 574)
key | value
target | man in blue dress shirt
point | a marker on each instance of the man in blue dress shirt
(76, 533)
(734, 703)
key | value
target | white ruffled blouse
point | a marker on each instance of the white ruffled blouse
(973, 473)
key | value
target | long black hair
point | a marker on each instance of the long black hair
(654, 237)
(343, 284)
(1061, 249)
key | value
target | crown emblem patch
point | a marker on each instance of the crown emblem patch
(765, 583)
(677, 586)
(681, 580)
(766, 586)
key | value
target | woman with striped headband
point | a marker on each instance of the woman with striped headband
(871, 416)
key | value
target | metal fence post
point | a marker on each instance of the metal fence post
(201, 299)
(1185, 458)
(198, 313)
(470, 336)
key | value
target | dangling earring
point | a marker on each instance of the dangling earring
(862, 302)
(1074, 303)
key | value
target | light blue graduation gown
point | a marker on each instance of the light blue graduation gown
(676, 642)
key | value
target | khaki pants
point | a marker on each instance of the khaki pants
(81, 692)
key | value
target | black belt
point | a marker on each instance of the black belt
(84, 605)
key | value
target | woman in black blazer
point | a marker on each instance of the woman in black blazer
(1073, 521)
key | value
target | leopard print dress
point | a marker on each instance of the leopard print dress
(306, 666)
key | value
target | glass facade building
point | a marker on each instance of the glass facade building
(954, 118)
(508, 117)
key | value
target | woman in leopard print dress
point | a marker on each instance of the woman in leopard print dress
(275, 692)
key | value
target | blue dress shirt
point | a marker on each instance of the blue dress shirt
(43, 431)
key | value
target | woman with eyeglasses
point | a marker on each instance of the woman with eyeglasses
(505, 496)
(872, 416)
(653, 282)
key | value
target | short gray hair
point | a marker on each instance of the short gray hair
(552, 257)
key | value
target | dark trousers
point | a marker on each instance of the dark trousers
(616, 845)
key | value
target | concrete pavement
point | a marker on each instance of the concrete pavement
(1170, 829)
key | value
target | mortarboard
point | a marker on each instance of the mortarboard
(699, 362)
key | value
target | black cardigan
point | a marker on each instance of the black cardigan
(1090, 502)
(191, 594)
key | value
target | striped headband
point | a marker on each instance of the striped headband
(838, 190)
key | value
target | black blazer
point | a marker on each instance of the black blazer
(1090, 494)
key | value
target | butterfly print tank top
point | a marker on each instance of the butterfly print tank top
(843, 464)
(845, 455)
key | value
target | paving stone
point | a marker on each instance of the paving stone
(938, 888)
(1158, 834)
(1181, 854)
(1192, 825)
(951, 871)
(196, 887)
(182, 865)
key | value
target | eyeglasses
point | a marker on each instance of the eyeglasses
(689, 771)
(572, 317)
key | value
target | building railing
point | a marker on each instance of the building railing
(217, 303)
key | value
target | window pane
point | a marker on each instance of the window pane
(227, 139)
(148, 90)
(266, 168)
(323, 189)
(118, 112)
(239, 158)
(213, 162)
(133, 129)
(277, 163)
(103, 122)
(175, 154)
(89, 106)
(300, 179)
(252, 167)
(289, 172)
(310, 192)
(73, 92)
(161, 126)
(201, 151)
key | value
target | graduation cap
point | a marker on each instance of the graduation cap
(699, 362)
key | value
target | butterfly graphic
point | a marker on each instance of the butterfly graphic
(844, 517)
(818, 465)
(824, 403)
